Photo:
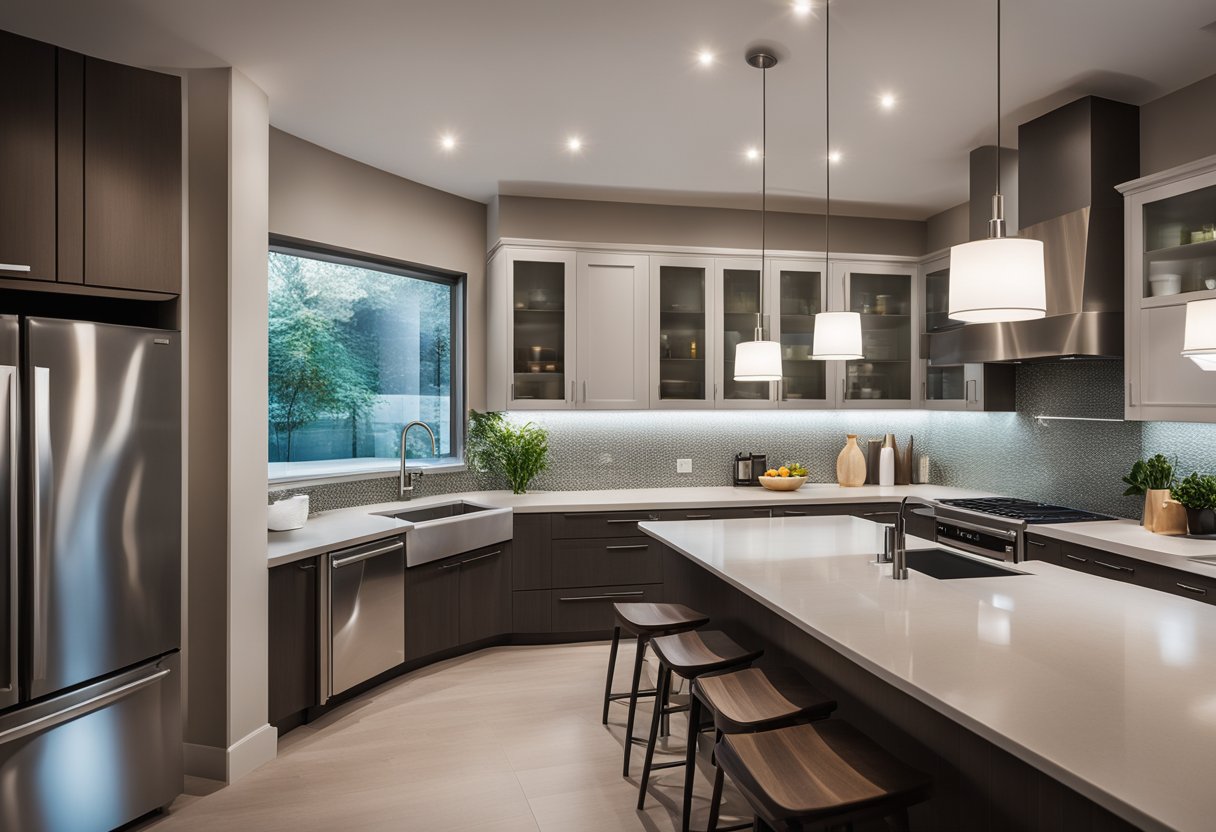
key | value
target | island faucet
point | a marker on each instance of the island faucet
(410, 476)
(899, 560)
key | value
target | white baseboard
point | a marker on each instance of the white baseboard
(228, 765)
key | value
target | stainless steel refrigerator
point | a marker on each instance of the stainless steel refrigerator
(90, 590)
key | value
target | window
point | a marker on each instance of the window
(358, 349)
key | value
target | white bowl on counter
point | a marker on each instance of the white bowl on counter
(285, 515)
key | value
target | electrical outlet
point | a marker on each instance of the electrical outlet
(683, 466)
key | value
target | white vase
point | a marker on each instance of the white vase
(886, 466)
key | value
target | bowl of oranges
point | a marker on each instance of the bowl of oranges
(789, 477)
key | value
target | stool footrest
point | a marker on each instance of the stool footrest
(616, 697)
(672, 764)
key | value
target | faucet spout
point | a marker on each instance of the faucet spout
(899, 559)
(409, 478)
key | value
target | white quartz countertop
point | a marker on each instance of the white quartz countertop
(330, 530)
(1129, 538)
(1107, 687)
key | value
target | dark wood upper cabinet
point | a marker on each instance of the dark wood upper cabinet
(132, 178)
(27, 158)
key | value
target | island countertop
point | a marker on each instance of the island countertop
(1109, 688)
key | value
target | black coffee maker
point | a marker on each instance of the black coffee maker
(748, 468)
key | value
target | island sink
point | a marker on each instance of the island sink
(943, 565)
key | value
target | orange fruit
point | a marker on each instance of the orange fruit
(783, 471)
(771, 472)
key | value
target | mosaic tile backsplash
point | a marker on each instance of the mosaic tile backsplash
(1078, 464)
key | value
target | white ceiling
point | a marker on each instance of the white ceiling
(380, 80)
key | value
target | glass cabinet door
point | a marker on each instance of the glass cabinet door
(798, 289)
(884, 298)
(541, 332)
(945, 386)
(1180, 245)
(738, 299)
(682, 356)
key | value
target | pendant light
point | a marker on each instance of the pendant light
(837, 334)
(1199, 336)
(760, 360)
(1000, 278)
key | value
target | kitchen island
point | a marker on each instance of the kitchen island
(1045, 700)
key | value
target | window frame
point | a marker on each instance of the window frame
(321, 471)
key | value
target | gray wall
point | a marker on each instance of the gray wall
(1178, 127)
(948, 228)
(1075, 463)
(319, 196)
(589, 221)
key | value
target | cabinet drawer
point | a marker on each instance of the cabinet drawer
(1187, 585)
(600, 524)
(589, 608)
(715, 513)
(620, 560)
(1096, 562)
(1042, 548)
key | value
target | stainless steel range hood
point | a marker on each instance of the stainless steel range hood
(1070, 161)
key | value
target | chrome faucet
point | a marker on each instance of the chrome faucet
(899, 559)
(411, 476)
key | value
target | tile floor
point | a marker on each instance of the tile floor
(504, 740)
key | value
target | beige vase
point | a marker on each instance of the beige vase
(851, 464)
(1162, 514)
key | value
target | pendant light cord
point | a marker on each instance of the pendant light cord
(998, 97)
(827, 121)
(763, 198)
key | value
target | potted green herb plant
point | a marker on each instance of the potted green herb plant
(1153, 477)
(517, 452)
(1197, 493)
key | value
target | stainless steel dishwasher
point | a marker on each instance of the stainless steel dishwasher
(362, 614)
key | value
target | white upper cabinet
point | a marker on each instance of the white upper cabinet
(799, 291)
(888, 376)
(683, 351)
(612, 352)
(1170, 233)
(736, 302)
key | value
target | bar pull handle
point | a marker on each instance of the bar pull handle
(80, 708)
(698, 516)
(1129, 570)
(573, 398)
(1195, 590)
(481, 557)
(631, 548)
(1038, 543)
(633, 520)
(42, 470)
(791, 513)
(307, 566)
(879, 513)
(11, 483)
(13, 267)
(1076, 558)
(602, 597)
(584, 391)
(447, 566)
(338, 563)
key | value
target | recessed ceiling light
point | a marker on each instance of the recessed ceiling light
(706, 57)
(574, 144)
(447, 141)
(752, 154)
(887, 100)
(834, 157)
(802, 8)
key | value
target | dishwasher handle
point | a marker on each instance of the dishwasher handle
(338, 563)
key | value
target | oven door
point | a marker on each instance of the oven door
(998, 544)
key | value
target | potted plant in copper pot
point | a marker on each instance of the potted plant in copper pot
(1197, 493)
(1153, 477)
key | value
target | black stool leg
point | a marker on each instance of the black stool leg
(638, 658)
(715, 802)
(690, 757)
(616, 640)
(660, 697)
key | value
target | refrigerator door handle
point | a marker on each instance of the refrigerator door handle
(42, 468)
(9, 373)
(79, 709)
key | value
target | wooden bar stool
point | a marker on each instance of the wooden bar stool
(689, 655)
(747, 701)
(821, 773)
(645, 621)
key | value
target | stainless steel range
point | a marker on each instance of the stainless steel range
(996, 526)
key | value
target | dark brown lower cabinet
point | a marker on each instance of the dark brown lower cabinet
(292, 637)
(589, 609)
(485, 593)
(432, 607)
